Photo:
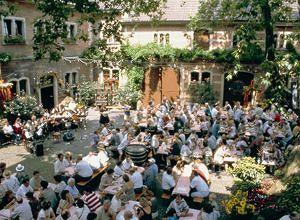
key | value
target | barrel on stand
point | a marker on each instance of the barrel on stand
(137, 152)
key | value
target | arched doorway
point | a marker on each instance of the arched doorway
(234, 88)
(47, 91)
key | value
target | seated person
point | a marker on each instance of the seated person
(9, 131)
(179, 206)
(65, 203)
(127, 164)
(35, 181)
(60, 165)
(83, 170)
(208, 212)
(168, 182)
(118, 172)
(105, 212)
(48, 194)
(199, 186)
(106, 179)
(72, 188)
(23, 189)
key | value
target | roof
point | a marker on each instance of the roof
(174, 10)
(183, 10)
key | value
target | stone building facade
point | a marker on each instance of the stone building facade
(173, 30)
(48, 81)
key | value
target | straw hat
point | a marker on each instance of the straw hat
(7, 173)
(20, 168)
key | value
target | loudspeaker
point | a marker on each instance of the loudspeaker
(39, 150)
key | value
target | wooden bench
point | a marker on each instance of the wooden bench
(95, 175)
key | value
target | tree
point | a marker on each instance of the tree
(6, 8)
(104, 15)
(248, 17)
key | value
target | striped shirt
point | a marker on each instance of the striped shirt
(92, 201)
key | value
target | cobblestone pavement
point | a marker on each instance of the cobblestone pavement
(13, 155)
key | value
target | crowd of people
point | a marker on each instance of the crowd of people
(184, 143)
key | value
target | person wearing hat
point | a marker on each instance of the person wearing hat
(22, 210)
(11, 182)
(21, 175)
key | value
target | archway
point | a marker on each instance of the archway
(234, 89)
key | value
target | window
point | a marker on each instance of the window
(164, 39)
(161, 38)
(23, 86)
(281, 41)
(71, 79)
(205, 77)
(194, 76)
(72, 30)
(20, 86)
(13, 29)
(167, 39)
(14, 87)
(155, 38)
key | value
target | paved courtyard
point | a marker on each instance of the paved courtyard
(12, 155)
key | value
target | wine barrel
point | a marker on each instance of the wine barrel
(137, 152)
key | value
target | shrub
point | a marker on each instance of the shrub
(127, 96)
(248, 170)
(86, 92)
(202, 93)
(289, 200)
(23, 107)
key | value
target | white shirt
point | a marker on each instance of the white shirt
(82, 213)
(60, 166)
(168, 181)
(238, 114)
(23, 190)
(45, 214)
(7, 129)
(12, 183)
(214, 113)
(200, 185)
(23, 211)
(118, 171)
(83, 169)
(126, 165)
(137, 180)
(185, 150)
(105, 131)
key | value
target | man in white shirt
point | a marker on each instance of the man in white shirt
(83, 170)
(118, 172)
(9, 131)
(22, 211)
(137, 179)
(24, 188)
(82, 210)
(60, 165)
(168, 182)
(126, 140)
(199, 186)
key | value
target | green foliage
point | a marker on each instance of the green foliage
(247, 170)
(22, 106)
(244, 186)
(86, 92)
(5, 57)
(128, 96)
(202, 93)
(289, 200)
(135, 77)
(14, 39)
(104, 15)
(6, 8)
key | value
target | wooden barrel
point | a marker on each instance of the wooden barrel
(137, 152)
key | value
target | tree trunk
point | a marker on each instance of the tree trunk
(269, 31)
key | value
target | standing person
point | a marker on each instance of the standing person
(104, 118)
(22, 210)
